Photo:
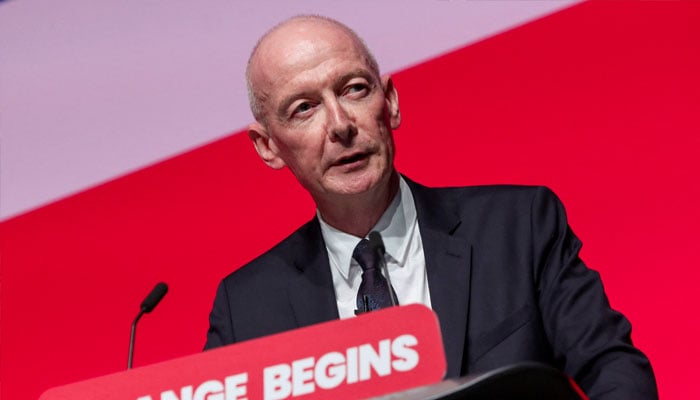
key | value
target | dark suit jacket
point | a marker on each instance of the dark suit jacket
(505, 281)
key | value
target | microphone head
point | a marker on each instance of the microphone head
(376, 242)
(153, 298)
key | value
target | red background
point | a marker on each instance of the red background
(600, 102)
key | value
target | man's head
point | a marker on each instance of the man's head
(321, 108)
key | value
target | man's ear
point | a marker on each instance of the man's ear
(265, 146)
(391, 97)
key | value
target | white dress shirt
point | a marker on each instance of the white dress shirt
(404, 255)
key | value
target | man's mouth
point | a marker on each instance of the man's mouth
(350, 159)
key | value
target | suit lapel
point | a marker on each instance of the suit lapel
(311, 293)
(448, 265)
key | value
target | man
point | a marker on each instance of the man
(499, 265)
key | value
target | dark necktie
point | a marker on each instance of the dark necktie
(374, 289)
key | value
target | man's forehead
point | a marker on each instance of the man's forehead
(297, 48)
(304, 39)
(310, 27)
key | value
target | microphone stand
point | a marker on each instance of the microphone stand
(133, 338)
(378, 243)
(385, 270)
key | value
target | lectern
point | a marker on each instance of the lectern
(396, 353)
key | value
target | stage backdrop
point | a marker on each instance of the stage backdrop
(124, 163)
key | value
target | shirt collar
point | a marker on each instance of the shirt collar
(396, 226)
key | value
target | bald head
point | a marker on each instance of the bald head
(294, 39)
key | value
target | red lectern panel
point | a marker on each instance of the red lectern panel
(373, 354)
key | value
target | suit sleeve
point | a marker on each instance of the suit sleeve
(220, 331)
(590, 339)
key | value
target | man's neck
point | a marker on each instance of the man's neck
(359, 214)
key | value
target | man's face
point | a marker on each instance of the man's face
(328, 116)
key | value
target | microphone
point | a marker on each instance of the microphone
(377, 244)
(148, 304)
(153, 298)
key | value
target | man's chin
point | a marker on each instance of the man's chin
(350, 189)
(349, 185)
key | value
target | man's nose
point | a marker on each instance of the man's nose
(340, 124)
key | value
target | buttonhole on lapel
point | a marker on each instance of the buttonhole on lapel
(453, 230)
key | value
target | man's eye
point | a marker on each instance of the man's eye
(303, 107)
(358, 87)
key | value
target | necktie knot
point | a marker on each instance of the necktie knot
(365, 255)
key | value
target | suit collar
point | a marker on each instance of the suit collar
(395, 226)
(448, 265)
